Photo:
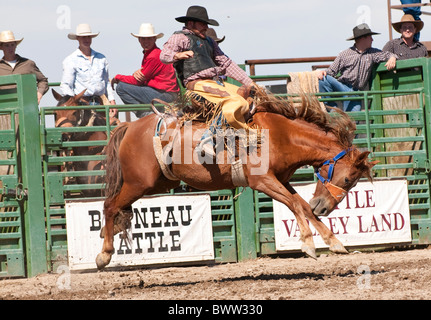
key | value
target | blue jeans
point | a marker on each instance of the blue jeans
(131, 94)
(214, 126)
(330, 84)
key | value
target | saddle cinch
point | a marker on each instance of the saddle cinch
(202, 111)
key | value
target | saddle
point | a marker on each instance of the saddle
(164, 153)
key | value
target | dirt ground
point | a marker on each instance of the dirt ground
(402, 274)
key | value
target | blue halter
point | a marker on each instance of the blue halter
(331, 163)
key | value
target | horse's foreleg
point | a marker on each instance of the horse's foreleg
(273, 188)
(327, 235)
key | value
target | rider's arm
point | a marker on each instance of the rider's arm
(177, 43)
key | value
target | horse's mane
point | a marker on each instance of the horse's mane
(309, 110)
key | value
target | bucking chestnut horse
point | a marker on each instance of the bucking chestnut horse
(290, 137)
(81, 118)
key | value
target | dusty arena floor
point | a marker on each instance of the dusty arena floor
(404, 274)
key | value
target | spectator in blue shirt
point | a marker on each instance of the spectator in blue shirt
(86, 69)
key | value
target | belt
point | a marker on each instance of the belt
(219, 80)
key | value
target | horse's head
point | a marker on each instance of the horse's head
(68, 117)
(336, 177)
(74, 118)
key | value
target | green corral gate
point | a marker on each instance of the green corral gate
(22, 218)
(37, 180)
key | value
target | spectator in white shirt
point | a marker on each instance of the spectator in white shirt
(86, 69)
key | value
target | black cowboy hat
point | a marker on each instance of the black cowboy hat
(197, 13)
(361, 30)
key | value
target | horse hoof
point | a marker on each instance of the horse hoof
(338, 248)
(102, 260)
(309, 251)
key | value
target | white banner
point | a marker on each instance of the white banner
(165, 229)
(371, 213)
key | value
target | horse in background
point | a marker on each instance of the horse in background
(81, 118)
(291, 137)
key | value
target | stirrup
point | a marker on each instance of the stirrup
(206, 147)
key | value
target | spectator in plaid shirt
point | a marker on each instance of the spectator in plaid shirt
(407, 47)
(351, 70)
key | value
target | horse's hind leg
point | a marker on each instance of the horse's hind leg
(124, 199)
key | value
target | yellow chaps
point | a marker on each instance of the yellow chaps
(234, 106)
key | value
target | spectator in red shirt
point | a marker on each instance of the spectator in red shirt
(153, 80)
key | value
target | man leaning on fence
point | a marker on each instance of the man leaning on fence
(351, 69)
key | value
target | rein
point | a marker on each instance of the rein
(337, 192)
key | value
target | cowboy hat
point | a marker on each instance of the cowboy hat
(82, 30)
(213, 35)
(361, 30)
(146, 31)
(408, 18)
(197, 13)
(8, 36)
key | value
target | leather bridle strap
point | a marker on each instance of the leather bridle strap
(337, 192)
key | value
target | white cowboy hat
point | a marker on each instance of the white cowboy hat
(8, 36)
(82, 30)
(147, 30)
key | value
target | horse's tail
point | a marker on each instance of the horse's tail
(114, 177)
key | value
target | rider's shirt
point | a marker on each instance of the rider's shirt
(179, 42)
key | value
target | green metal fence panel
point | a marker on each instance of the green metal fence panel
(22, 223)
(412, 74)
(12, 262)
(64, 179)
(245, 222)
(223, 223)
